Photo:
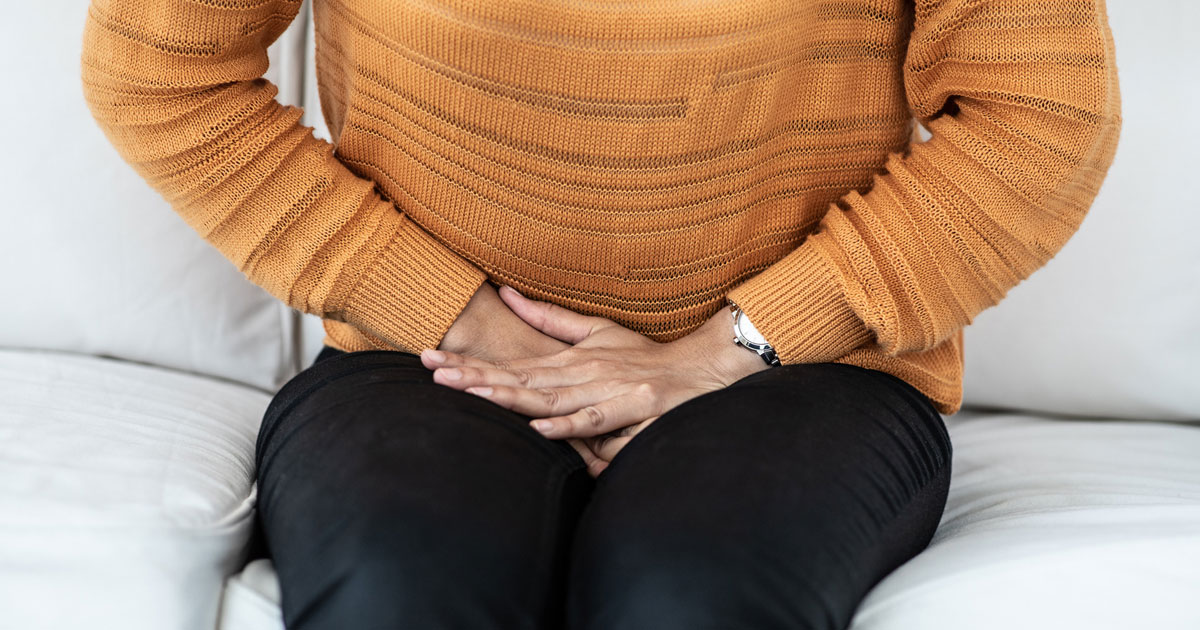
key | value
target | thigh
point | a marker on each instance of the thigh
(387, 500)
(777, 502)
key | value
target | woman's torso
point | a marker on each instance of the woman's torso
(632, 160)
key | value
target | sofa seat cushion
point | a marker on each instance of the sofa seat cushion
(251, 599)
(126, 492)
(1051, 523)
(1056, 523)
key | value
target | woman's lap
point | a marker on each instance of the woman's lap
(388, 500)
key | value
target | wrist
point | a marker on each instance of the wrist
(465, 332)
(713, 343)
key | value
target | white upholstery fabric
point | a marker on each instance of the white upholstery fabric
(1056, 523)
(312, 336)
(1109, 327)
(94, 260)
(1051, 524)
(126, 492)
(251, 600)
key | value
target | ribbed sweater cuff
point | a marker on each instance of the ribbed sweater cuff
(413, 291)
(799, 306)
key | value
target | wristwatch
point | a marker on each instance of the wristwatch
(747, 336)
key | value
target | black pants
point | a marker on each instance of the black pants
(389, 501)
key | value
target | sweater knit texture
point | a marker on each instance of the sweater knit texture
(636, 160)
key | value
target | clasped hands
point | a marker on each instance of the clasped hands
(607, 386)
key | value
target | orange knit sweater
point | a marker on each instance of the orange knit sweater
(639, 160)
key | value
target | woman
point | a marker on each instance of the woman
(588, 446)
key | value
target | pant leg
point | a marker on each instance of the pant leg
(389, 501)
(775, 503)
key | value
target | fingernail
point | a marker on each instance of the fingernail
(542, 426)
(481, 391)
(452, 374)
(437, 356)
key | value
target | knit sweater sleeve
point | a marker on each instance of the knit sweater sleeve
(1023, 107)
(177, 87)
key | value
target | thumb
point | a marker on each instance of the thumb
(558, 322)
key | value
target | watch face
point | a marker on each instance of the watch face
(746, 327)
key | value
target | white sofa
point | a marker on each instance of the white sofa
(135, 364)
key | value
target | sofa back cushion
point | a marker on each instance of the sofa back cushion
(1111, 326)
(94, 260)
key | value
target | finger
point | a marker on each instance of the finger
(554, 320)
(608, 445)
(594, 463)
(547, 401)
(434, 359)
(607, 415)
(462, 377)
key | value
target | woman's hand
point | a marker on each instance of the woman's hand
(609, 384)
(487, 330)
